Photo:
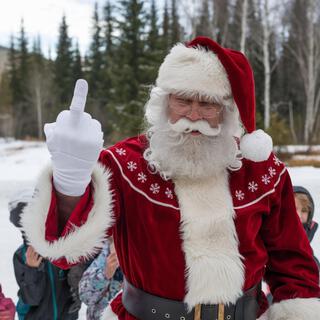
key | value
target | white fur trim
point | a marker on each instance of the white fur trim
(193, 70)
(256, 146)
(108, 314)
(263, 317)
(294, 309)
(84, 241)
(214, 270)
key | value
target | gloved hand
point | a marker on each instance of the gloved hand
(74, 142)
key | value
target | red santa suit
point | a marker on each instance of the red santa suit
(202, 242)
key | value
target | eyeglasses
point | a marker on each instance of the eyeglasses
(183, 107)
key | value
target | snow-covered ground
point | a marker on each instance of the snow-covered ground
(21, 162)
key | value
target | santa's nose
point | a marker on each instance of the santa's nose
(194, 114)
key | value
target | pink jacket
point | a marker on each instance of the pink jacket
(7, 307)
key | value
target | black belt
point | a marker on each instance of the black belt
(145, 306)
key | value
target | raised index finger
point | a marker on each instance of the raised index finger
(79, 97)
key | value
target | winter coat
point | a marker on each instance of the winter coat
(197, 241)
(6, 304)
(310, 226)
(44, 293)
(95, 289)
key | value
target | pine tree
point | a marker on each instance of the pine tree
(109, 26)
(175, 25)
(23, 57)
(23, 111)
(77, 63)
(166, 28)
(203, 27)
(108, 115)
(130, 75)
(95, 58)
(39, 88)
(153, 35)
(13, 73)
(154, 52)
(63, 77)
(6, 97)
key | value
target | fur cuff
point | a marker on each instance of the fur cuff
(293, 309)
(84, 241)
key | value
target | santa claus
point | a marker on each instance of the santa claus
(199, 212)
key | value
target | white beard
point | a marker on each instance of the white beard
(175, 154)
(183, 155)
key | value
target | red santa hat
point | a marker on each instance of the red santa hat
(203, 67)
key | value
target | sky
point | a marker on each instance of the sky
(43, 17)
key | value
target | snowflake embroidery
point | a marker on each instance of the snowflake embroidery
(265, 179)
(253, 186)
(168, 193)
(155, 188)
(121, 151)
(276, 161)
(239, 195)
(142, 177)
(132, 165)
(272, 172)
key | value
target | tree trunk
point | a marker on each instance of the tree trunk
(244, 26)
(291, 121)
(39, 111)
(266, 63)
(310, 92)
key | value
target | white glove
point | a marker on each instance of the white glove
(74, 142)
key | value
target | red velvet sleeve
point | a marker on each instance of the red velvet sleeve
(77, 218)
(291, 271)
(81, 212)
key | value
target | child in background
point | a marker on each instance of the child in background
(7, 308)
(101, 281)
(305, 210)
(44, 290)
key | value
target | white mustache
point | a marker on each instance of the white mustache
(186, 126)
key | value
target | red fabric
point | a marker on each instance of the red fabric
(147, 228)
(77, 218)
(240, 76)
(7, 306)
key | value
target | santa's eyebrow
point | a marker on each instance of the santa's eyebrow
(227, 97)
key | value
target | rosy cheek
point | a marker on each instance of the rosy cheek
(173, 118)
(213, 123)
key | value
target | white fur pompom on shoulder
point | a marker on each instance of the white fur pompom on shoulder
(256, 146)
(294, 309)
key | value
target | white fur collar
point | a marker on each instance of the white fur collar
(84, 241)
(215, 273)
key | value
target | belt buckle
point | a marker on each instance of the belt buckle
(197, 312)
(220, 311)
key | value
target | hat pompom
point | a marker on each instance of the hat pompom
(256, 146)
